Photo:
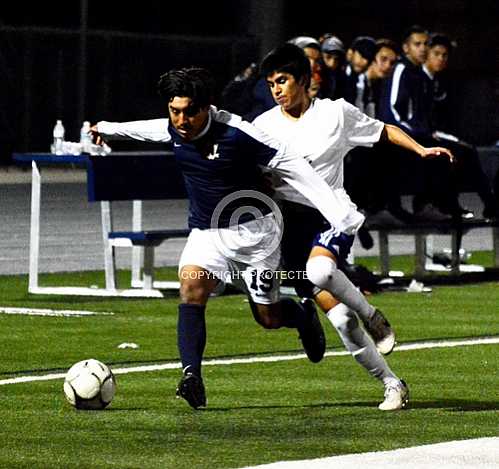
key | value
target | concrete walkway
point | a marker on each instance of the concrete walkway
(481, 453)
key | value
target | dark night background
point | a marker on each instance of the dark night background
(93, 60)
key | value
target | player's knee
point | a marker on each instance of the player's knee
(320, 270)
(194, 292)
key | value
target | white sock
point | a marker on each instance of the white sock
(359, 344)
(323, 272)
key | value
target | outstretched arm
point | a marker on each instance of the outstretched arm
(298, 173)
(153, 130)
(397, 136)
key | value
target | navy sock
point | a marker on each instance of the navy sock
(191, 336)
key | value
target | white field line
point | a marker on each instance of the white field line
(50, 312)
(267, 359)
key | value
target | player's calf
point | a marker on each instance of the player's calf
(311, 331)
(304, 317)
(324, 273)
(381, 332)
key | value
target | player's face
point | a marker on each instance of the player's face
(384, 62)
(313, 55)
(187, 119)
(358, 62)
(286, 91)
(416, 48)
(438, 59)
(331, 61)
(314, 88)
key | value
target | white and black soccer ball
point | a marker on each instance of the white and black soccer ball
(89, 385)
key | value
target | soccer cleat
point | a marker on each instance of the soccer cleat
(365, 238)
(381, 332)
(429, 213)
(384, 218)
(396, 396)
(311, 332)
(191, 388)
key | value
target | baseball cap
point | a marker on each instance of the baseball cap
(333, 45)
(305, 41)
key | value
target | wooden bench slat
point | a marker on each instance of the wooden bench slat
(436, 227)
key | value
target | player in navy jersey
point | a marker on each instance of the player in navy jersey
(219, 155)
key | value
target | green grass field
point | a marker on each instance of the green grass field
(257, 412)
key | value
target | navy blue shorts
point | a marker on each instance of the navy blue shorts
(339, 244)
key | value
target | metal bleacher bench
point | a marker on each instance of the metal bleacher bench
(421, 231)
(135, 177)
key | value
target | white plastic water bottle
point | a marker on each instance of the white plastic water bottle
(58, 134)
(85, 138)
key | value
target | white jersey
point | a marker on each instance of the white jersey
(325, 133)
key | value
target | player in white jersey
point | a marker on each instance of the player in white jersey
(324, 131)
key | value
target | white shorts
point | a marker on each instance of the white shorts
(246, 255)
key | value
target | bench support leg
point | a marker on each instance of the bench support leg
(137, 251)
(384, 253)
(148, 274)
(495, 241)
(420, 248)
(109, 256)
(455, 257)
(34, 242)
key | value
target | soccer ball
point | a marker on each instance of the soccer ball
(89, 385)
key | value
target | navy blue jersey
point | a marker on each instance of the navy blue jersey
(222, 160)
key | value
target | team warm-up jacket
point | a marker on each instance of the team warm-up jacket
(224, 158)
(442, 117)
(407, 99)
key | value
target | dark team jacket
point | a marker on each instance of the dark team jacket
(442, 116)
(407, 99)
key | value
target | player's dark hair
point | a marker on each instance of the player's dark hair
(365, 46)
(287, 58)
(414, 29)
(195, 83)
(388, 43)
(440, 39)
